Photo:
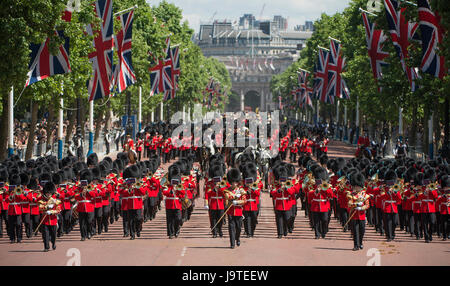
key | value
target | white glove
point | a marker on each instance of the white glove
(235, 202)
(359, 208)
(206, 207)
(49, 212)
(50, 206)
(359, 204)
(238, 196)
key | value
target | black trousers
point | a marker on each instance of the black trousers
(67, 220)
(380, 221)
(370, 215)
(418, 229)
(344, 216)
(282, 218)
(35, 220)
(445, 218)
(107, 147)
(390, 223)
(215, 215)
(48, 234)
(409, 221)
(114, 211)
(85, 220)
(105, 218)
(139, 155)
(250, 222)
(320, 223)
(234, 228)
(15, 227)
(97, 222)
(135, 221)
(401, 216)
(428, 223)
(26, 222)
(4, 217)
(358, 230)
(173, 218)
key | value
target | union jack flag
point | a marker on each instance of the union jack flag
(321, 77)
(43, 64)
(375, 42)
(432, 34)
(306, 91)
(102, 58)
(161, 78)
(123, 72)
(172, 59)
(402, 32)
(336, 64)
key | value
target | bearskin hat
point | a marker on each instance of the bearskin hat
(14, 180)
(24, 179)
(92, 160)
(445, 181)
(357, 179)
(320, 174)
(131, 172)
(86, 174)
(234, 176)
(49, 188)
(418, 179)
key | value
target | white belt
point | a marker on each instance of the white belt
(251, 200)
(14, 204)
(282, 199)
(135, 197)
(317, 200)
(217, 198)
(390, 202)
(33, 204)
(429, 201)
(23, 203)
(171, 198)
(85, 201)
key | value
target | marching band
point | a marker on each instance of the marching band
(390, 195)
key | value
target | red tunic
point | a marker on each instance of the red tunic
(173, 198)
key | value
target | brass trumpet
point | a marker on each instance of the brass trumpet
(288, 184)
(396, 188)
(179, 187)
(18, 190)
(432, 186)
(223, 184)
(325, 186)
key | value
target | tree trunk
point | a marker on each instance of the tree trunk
(4, 128)
(413, 135)
(50, 126)
(72, 120)
(32, 130)
(425, 130)
(98, 124)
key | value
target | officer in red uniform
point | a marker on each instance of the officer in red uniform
(3, 200)
(236, 197)
(174, 193)
(49, 207)
(443, 206)
(428, 200)
(318, 199)
(15, 199)
(215, 198)
(281, 195)
(390, 198)
(133, 192)
(293, 150)
(85, 204)
(139, 146)
(358, 203)
(35, 214)
(253, 193)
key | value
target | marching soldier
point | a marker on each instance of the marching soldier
(319, 202)
(236, 197)
(390, 198)
(174, 193)
(443, 205)
(253, 193)
(428, 199)
(15, 198)
(49, 207)
(358, 203)
(215, 199)
(85, 196)
(281, 194)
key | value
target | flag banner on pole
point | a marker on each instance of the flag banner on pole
(375, 42)
(432, 35)
(161, 77)
(305, 90)
(336, 64)
(123, 72)
(99, 85)
(402, 32)
(42, 63)
(321, 77)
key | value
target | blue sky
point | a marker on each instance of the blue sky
(297, 11)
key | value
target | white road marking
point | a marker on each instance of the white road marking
(183, 252)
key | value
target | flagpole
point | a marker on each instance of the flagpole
(334, 39)
(162, 111)
(430, 137)
(11, 123)
(400, 122)
(345, 123)
(337, 118)
(91, 127)
(367, 12)
(140, 109)
(357, 121)
(126, 10)
(60, 127)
